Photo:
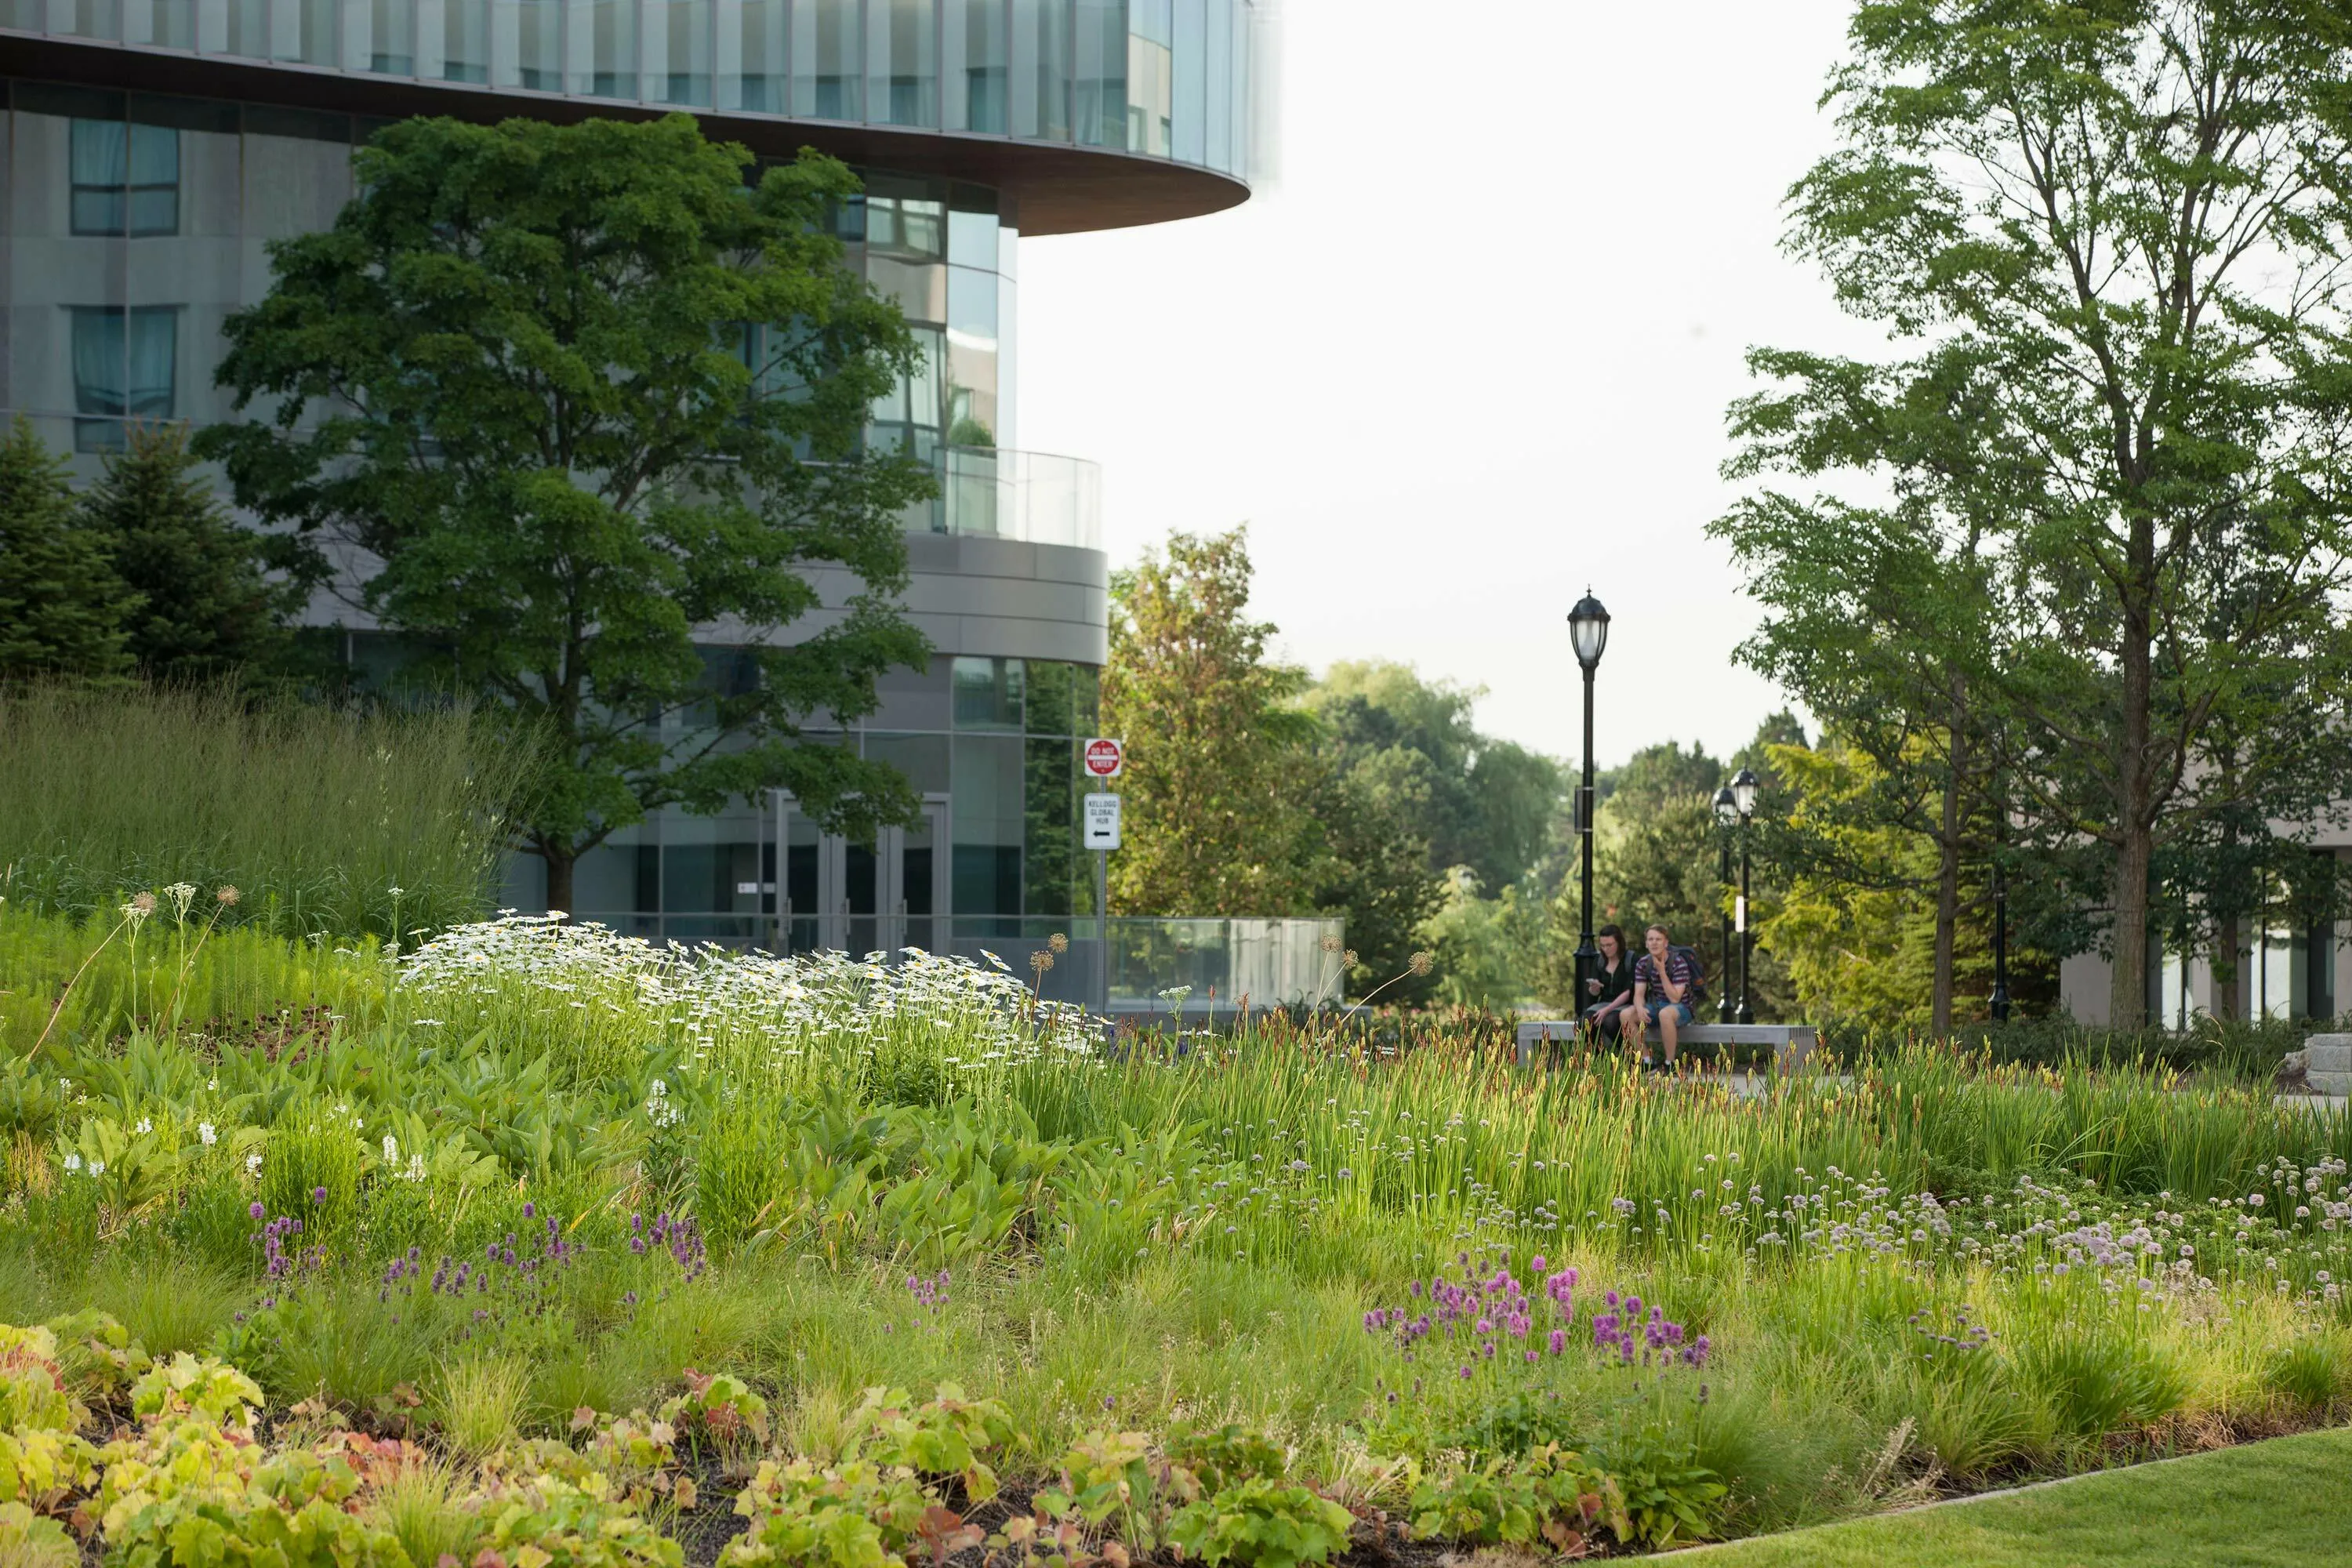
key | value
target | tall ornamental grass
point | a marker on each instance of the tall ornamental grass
(338, 821)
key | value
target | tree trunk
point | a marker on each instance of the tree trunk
(558, 878)
(2134, 839)
(2227, 941)
(1947, 873)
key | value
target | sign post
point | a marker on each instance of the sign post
(1105, 760)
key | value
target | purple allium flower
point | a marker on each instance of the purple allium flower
(1465, 1372)
(257, 1211)
(1559, 1339)
(531, 1210)
(1536, 1264)
(318, 1195)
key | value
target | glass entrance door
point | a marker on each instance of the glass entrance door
(915, 860)
(858, 898)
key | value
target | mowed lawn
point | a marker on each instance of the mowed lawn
(2281, 1504)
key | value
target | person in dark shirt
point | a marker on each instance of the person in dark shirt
(1609, 993)
(1663, 982)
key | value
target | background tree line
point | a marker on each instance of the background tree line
(1254, 788)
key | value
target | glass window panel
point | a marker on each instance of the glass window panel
(125, 366)
(987, 693)
(611, 48)
(971, 365)
(918, 287)
(750, 55)
(466, 40)
(1187, 93)
(391, 44)
(683, 29)
(1217, 79)
(921, 760)
(1040, 68)
(1242, 66)
(988, 813)
(1008, 342)
(1051, 858)
(1099, 96)
(904, 217)
(916, 400)
(1049, 696)
(539, 45)
(975, 61)
(913, 698)
(124, 177)
(605, 880)
(971, 227)
(826, 82)
(1151, 76)
(902, 61)
(98, 169)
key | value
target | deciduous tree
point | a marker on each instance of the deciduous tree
(2129, 219)
(563, 399)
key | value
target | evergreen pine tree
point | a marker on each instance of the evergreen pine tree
(210, 608)
(62, 608)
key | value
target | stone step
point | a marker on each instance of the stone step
(2333, 1083)
(2328, 1054)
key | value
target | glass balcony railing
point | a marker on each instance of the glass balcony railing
(1035, 497)
(1201, 967)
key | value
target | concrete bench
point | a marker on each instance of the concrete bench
(1791, 1044)
(2326, 1062)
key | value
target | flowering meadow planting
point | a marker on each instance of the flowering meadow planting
(532, 1244)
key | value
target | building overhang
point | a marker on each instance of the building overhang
(1047, 187)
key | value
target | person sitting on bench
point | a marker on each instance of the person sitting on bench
(1665, 980)
(1609, 993)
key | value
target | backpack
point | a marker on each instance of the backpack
(1698, 972)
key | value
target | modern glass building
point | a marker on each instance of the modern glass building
(151, 148)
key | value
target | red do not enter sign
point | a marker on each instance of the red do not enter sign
(1105, 759)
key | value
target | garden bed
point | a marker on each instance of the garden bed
(525, 1173)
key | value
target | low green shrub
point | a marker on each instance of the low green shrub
(1261, 1521)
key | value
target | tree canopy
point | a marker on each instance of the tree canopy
(2108, 240)
(562, 403)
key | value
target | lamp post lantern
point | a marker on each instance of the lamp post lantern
(1744, 787)
(1727, 813)
(1587, 630)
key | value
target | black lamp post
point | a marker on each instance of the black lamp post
(1587, 630)
(1743, 796)
(1726, 811)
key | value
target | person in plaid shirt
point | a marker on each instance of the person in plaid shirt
(1663, 981)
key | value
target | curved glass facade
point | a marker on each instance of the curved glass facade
(135, 224)
(991, 743)
(1163, 78)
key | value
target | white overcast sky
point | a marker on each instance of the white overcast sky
(1474, 349)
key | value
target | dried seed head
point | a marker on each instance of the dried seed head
(1348, 958)
(1041, 961)
(1424, 962)
(1330, 944)
(227, 897)
(1058, 943)
(141, 904)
